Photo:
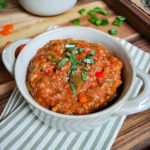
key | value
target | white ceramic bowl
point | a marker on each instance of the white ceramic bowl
(123, 106)
(47, 7)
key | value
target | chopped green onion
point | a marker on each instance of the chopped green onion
(74, 67)
(93, 19)
(69, 45)
(54, 60)
(83, 75)
(122, 18)
(63, 62)
(76, 21)
(75, 51)
(73, 88)
(81, 50)
(104, 12)
(113, 31)
(88, 61)
(117, 22)
(91, 55)
(98, 22)
(105, 22)
(91, 12)
(82, 11)
(86, 69)
(40, 68)
(97, 9)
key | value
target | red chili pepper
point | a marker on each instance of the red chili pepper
(8, 27)
(87, 51)
(82, 45)
(7, 43)
(5, 32)
(96, 57)
(21, 47)
(48, 68)
(99, 75)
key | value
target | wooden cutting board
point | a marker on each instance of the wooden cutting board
(27, 25)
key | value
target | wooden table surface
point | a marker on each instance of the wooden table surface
(135, 132)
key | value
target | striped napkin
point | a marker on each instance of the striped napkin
(21, 130)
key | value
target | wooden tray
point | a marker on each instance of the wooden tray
(138, 18)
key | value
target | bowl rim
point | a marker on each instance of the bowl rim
(103, 113)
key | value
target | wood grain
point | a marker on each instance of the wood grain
(135, 132)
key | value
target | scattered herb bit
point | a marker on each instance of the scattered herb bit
(54, 60)
(3, 4)
(117, 22)
(109, 80)
(122, 18)
(69, 45)
(82, 12)
(40, 68)
(86, 69)
(97, 9)
(73, 72)
(83, 75)
(74, 67)
(63, 62)
(88, 61)
(75, 51)
(73, 88)
(104, 12)
(91, 12)
(76, 21)
(105, 22)
(98, 22)
(113, 31)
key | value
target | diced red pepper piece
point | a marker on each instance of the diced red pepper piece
(7, 43)
(21, 47)
(5, 32)
(9, 27)
(87, 51)
(96, 58)
(99, 75)
(48, 68)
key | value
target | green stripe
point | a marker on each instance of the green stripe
(86, 139)
(20, 133)
(74, 141)
(98, 137)
(51, 140)
(13, 115)
(111, 133)
(15, 126)
(40, 138)
(32, 134)
(62, 141)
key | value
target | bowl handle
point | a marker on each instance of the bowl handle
(8, 54)
(140, 102)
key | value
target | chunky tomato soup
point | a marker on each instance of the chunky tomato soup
(74, 77)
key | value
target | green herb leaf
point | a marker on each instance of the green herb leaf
(88, 61)
(81, 50)
(69, 45)
(40, 68)
(93, 19)
(91, 12)
(104, 12)
(113, 31)
(83, 75)
(122, 18)
(82, 12)
(105, 22)
(117, 22)
(73, 88)
(75, 51)
(97, 9)
(63, 62)
(54, 60)
(98, 22)
(86, 69)
(3, 4)
(74, 67)
(76, 21)
(93, 52)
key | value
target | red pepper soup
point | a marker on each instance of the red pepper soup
(74, 77)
